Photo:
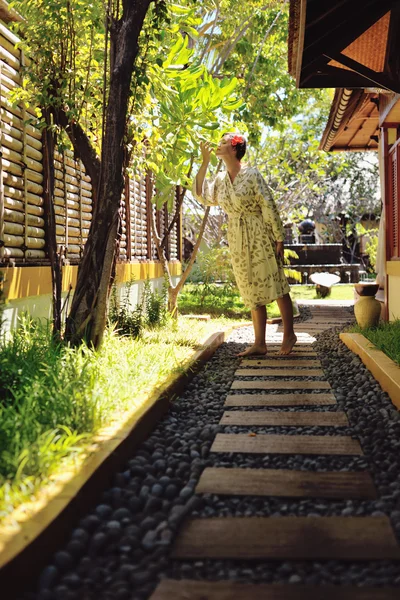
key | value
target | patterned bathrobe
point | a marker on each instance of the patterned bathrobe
(254, 226)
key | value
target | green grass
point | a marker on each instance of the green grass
(217, 300)
(307, 292)
(54, 399)
(224, 300)
(386, 337)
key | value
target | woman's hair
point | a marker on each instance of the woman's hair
(239, 143)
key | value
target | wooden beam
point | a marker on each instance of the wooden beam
(377, 79)
(333, 77)
(333, 33)
(128, 220)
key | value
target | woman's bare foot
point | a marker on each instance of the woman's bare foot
(254, 350)
(287, 344)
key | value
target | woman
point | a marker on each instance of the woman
(255, 236)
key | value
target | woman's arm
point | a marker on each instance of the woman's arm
(206, 149)
(205, 190)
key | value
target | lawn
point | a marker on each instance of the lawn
(307, 292)
(386, 337)
(54, 398)
(218, 300)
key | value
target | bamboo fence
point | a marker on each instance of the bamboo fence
(22, 220)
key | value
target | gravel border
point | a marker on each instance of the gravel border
(119, 551)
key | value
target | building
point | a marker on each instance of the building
(24, 262)
(353, 46)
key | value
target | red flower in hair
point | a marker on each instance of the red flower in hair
(237, 139)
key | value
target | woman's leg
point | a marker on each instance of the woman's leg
(259, 318)
(286, 310)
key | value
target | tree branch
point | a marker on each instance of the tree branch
(178, 207)
(259, 53)
(186, 272)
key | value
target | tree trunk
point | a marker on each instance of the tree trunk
(173, 291)
(89, 306)
(173, 301)
(82, 147)
(50, 219)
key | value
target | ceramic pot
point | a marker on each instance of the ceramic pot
(367, 311)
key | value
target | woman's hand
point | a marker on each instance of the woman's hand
(206, 148)
(280, 250)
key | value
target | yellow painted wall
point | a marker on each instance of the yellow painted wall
(393, 271)
(25, 282)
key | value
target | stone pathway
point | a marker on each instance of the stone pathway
(285, 537)
(253, 486)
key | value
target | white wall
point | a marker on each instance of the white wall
(39, 307)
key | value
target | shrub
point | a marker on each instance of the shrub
(211, 266)
(151, 310)
(155, 304)
(1, 301)
(126, 319)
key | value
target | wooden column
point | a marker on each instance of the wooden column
(24, 119)
(149, 208)
(128, 219)
(79, 177)
(65, 203)
(386, 194)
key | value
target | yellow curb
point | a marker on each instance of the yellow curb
(385, 371)
(28, 521)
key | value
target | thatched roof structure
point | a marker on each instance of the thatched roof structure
(352, 43)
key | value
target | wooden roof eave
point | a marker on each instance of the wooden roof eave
(348, 108)
(345, 101)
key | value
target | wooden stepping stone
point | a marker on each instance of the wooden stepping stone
(291, 419)
(279, 373)
(305, 326)
(288, 538)
(286, 483)
(280, 385)
(328, 321)
(282, 362)
(280, 400)
(286, 444)
(183, 589)
(293, 354)
(298, 348)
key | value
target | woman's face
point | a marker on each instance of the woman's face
(225, 147)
